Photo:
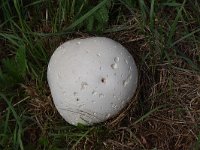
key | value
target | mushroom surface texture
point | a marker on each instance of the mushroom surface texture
(91, 79)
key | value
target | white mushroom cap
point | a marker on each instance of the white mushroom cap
(91, 79)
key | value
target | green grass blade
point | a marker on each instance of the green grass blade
(127, 6)
(82, 136)
(5, 126)
(12, 38)
(21, 61)
(152, 15)
(81, 7)
(148, 114)
(19, 125)
(189, 61)
(72, 8)
(18, 9)
(174, 25)
(85, 16)
(11, 108)
(185, 37)
(172, 4)
(197, 144)
(34, 3)
(143, 9)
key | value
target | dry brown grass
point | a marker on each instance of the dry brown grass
(172, 127)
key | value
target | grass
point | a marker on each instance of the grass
(163, 37)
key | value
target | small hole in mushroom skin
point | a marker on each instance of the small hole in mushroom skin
(103, 80)
(77, 99)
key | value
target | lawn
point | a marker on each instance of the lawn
(162, 35)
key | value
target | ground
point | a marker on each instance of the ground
(162, 36)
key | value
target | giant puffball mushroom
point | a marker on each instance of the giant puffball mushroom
(91, 79)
